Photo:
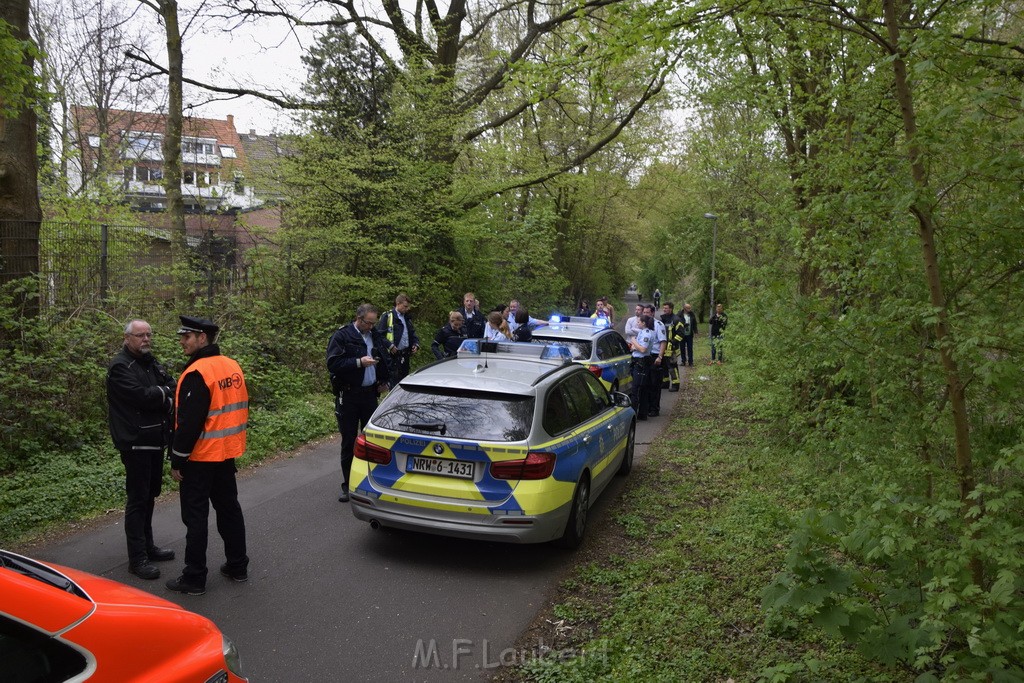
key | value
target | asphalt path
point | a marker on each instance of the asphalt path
(330, 599)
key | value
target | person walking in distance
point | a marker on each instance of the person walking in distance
(140, 399)
(689, 320)
(398, 329)
(357, 360)
(718, 322)
(211, 417)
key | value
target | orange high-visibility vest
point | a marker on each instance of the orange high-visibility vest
(223, 434)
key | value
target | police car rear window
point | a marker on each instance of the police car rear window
(456, 414)
(580, 350)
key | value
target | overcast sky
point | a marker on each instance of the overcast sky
(263, 57)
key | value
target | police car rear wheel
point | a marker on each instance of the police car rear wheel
(576, 527)
(627, 457)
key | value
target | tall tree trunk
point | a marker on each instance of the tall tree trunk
(19, 191)
(922, 210)
(172, 148)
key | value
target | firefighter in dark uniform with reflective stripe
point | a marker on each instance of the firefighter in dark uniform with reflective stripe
(212, 413)
(398, 329)
(673, 353)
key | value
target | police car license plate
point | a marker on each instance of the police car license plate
(442, 466)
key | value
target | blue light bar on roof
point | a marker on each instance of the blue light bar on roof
(477, 347)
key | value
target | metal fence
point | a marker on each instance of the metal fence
(90, 264)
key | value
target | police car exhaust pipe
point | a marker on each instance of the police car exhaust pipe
(374, 524)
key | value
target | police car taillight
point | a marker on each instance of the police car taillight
(534, 466)
(596, 371)
(371, 453)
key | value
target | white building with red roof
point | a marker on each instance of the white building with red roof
(125, 149)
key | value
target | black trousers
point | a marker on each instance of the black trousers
(654, 388)
(640, 370)
(688, 350)
(143, 476)
(206, 483)
(353, 409)
(400, 366)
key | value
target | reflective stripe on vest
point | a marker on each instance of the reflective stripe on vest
(390, 324)
(224, 433)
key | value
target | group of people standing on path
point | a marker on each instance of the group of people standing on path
(660, 345)
(202, 419)
(505, 322)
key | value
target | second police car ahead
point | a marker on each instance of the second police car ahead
(508, 442)
(594, 345)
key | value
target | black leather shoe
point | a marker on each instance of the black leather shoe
(234, 575)
(144, 571)
(343, 498)
(180, 585)
(160, 554)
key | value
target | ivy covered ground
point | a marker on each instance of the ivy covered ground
(672, 589)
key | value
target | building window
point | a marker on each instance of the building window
(189, 178)
(239, 183)
(129, 173)
(196, 147)
(142, 142)
(94, 140)
(228, 152)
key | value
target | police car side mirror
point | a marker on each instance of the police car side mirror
(621, 399)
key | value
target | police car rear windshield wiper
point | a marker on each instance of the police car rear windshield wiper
(427, 426)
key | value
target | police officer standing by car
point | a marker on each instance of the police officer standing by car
(212, 414)
(657, 370)
(357, 360)
(640, 365)
(398, 329)
(140, 397)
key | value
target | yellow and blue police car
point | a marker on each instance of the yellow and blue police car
(506, 441)
(592, 344)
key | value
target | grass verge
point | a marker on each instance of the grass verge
(672, 590)
(71, 486)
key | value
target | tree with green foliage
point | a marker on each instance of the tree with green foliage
(885, 333)
(19, 195)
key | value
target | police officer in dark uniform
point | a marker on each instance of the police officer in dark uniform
(211, 418)
(398, 329)
(475, 323)
(357, 360)
(140, 396)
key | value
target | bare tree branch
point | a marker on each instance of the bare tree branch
(282, 101)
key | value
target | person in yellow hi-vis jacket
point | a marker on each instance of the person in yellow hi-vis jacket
(211, 417)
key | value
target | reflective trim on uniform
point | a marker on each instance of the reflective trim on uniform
(147, 448)
(229, 408)
(220, 433)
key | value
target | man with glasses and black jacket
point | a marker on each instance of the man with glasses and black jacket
(140, 397)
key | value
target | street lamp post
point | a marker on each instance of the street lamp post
(714, 241)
